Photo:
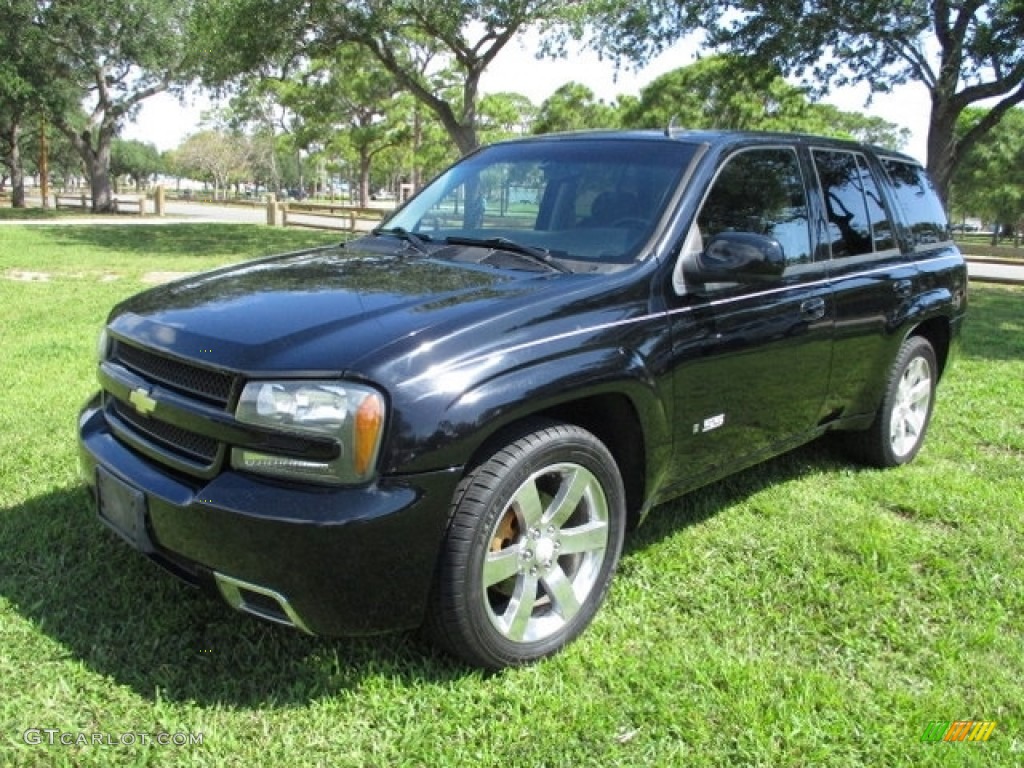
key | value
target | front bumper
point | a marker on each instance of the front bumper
(332, 561)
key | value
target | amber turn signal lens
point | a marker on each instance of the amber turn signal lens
(369, 422)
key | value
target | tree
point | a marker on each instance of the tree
(62, 159)
(726, 92)
(573, 107)
(860, 127)
(10, 154)
(721, 92)
(347, 101)
(963, 52)
(18, 97)
(214, 156)
(504, 116)
(110, 55)
(259, 108)
(413, 40)
(990, 180)
(136, 159)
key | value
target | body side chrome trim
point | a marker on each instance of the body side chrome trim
(684, 310)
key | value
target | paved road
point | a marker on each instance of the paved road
(177, 213)
(995, 273)
(225, 214)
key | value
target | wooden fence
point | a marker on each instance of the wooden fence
(345, 218)
(135, 204)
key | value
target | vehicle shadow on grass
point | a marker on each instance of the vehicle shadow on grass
(695, 507)
(127, 619)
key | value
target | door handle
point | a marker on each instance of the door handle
(813, 309)
(903, 288)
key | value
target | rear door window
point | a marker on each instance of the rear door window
(858, 221)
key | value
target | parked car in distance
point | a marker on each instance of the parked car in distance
(452, 422)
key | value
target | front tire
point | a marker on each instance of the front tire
(534, 540)
(903, 417)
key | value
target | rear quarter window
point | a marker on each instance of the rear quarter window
(920, 203)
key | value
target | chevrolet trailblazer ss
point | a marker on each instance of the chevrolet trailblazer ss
(451, 422)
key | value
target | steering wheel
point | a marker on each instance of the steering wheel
(630, 222)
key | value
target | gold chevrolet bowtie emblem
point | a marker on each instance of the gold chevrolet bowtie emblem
(143, 403)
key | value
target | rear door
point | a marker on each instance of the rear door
(873, 281)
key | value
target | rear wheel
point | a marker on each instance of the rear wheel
(535, 536)
(902, 419)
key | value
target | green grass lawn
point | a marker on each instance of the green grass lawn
(976, 244)
(17, 214)
(807, 612)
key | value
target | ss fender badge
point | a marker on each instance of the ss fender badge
(143, 403)
(710, 423)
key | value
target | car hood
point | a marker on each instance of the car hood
(320, 310)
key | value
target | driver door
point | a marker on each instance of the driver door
(751, 360)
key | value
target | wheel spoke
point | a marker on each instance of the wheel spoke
(527, 500)
(913, 423)
(559, 588)
(569, 494)
(516, 618)
(500, 565)
(919, 393)
(897, 433)
(584, 538)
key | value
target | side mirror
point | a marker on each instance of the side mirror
(738, 257)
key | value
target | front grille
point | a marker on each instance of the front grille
(179, 441)
(212, 386)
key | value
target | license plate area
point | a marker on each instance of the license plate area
(123, 509)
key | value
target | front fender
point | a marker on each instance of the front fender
(464, 421)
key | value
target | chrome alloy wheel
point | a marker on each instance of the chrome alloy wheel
(546, 553)
(911, 407)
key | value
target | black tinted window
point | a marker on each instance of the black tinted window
(760, 191)
(857, 218)
(580, 199)
(919, 201)
(881, 224)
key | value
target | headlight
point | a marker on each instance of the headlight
(350, 414)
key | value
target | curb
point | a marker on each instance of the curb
(993, 260)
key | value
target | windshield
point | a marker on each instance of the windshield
(591, 200)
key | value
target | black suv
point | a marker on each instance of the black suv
(451, 423)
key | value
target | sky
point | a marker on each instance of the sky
(165, 122)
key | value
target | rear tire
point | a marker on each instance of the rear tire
(902, 419)
(534, 540)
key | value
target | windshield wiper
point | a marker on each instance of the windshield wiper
(419, 242)
(539, 255)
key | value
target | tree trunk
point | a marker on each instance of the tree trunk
(98, 166)
(17, 171)
(14, 164)
(417, 145)
(96, 160)
(943, 152)
(464, 137)
(364, 177)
